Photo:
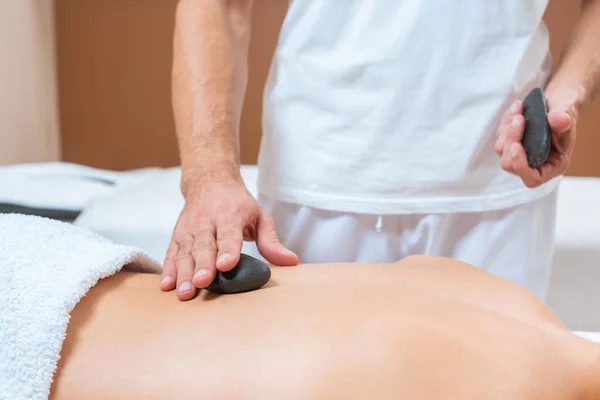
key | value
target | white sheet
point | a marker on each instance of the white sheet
(591, 336)
(575, 283)
(59, 186)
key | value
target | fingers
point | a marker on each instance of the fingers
(513, 157)
(508, 146)
(514, 160)
(269, 245)
(204, 252)
(169, 273)
(230, 238)
(210, 236)
(560, 122)
(511, 127)
(190, 263)
(515, 109)
(184, 263)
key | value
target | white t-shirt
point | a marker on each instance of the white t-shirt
(391, 106)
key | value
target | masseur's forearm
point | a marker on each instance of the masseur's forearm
(209, 82)
(576, 81)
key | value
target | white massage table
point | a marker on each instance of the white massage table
(574, 292)
(59, 190)
(143, 209)
(592, 336)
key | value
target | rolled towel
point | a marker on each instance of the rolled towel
(46, 267)
(59, 190)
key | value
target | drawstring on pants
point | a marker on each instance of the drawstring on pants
(379, 223)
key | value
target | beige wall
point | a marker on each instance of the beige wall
(115, 96)
(28, 101)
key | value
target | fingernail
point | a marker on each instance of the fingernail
(514, 150)
(289, 252)
(516, 121)
(201, 273)
(514, 107)
(224, 257)
(185, 286)
(166, 279)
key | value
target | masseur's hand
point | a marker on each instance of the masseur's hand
(209, 235)
(562, 117)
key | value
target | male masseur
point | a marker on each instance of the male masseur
(381, 119)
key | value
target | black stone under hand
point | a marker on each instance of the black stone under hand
(537, 138)
(249, 274)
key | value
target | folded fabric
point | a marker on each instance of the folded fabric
(144, 213)
(58, 190)
(46, 267)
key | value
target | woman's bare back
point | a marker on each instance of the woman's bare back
(421, 328)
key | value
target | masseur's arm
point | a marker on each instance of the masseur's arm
(209, 82)
(571, 89)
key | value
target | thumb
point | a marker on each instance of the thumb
(269, 245)
(560, 121)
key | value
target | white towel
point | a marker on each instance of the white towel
(46, 267)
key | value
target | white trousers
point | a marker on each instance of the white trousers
(515, 244)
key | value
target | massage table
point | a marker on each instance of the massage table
(592, 336)
(575, 281)
(141, 209)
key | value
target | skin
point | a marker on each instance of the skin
(571, 89)
(422, 328)
(209, 82)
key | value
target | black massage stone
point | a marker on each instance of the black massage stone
(249, 274)
(537, 138)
